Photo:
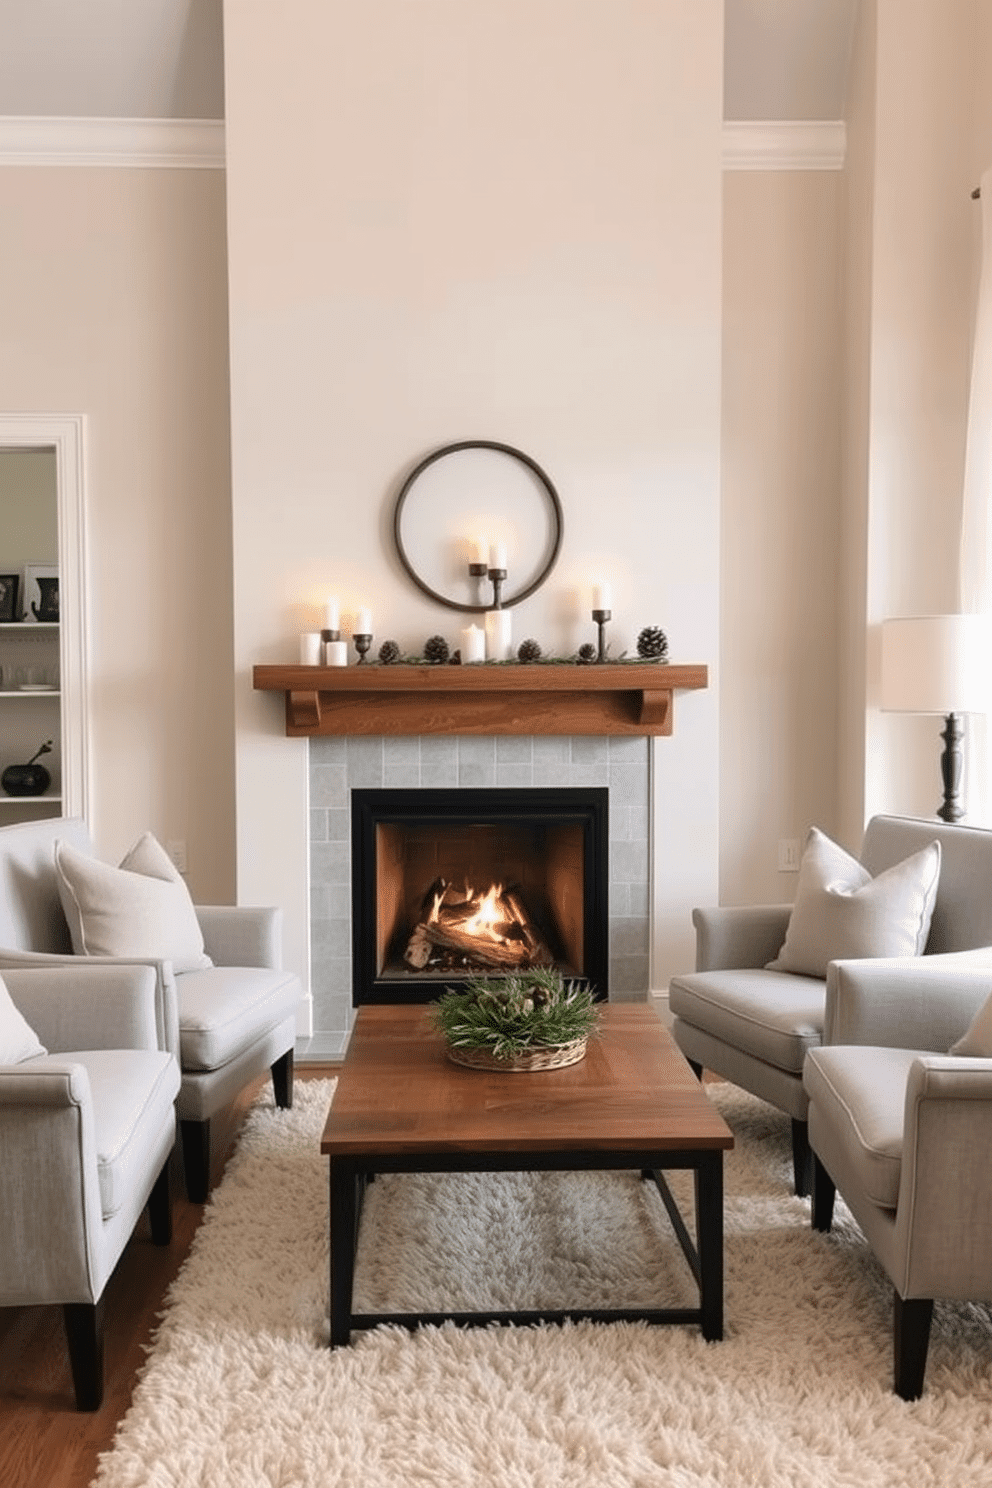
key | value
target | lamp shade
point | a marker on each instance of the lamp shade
(937, 664)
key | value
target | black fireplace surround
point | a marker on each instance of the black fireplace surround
(551, 844)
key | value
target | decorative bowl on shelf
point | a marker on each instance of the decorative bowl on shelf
(530, 1020)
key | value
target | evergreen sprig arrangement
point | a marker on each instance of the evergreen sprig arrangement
(510, 1015)
(399, 657)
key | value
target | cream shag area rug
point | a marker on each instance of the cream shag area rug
(240, 1389)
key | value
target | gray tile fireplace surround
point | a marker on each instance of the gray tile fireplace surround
(339, 765)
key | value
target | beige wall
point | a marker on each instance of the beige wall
(113, 305)
(467, 230)
(918, 124)
(780, 522)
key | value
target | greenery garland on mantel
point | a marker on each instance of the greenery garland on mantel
(652, 650)
(513, 661)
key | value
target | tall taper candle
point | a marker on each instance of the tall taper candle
(363, 622)
(333, 618)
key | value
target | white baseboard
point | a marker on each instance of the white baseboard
(660, 1001)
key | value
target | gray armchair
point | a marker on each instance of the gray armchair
(756, 1026)
(225, 1023)
(86, 1131)
(903, 1129)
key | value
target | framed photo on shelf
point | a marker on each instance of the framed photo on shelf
(41, 593)
(8, 596)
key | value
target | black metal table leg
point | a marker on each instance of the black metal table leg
(709, 1239)
(344, 1227)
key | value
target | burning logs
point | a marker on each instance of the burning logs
(491, 930)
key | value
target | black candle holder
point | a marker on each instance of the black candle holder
(330, 635)
(362, 644)
(478, 571)
(497, 575)
(601, 617)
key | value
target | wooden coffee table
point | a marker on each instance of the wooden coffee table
(401, 1106)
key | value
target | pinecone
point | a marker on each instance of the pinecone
(389, 652)
(652, 644)
(436, 650)
(456, 658)
(528, 651)
(587, 653)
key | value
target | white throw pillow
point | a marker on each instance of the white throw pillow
(841, 911)
(18, 1040)
(978, 1040)
(141, 909)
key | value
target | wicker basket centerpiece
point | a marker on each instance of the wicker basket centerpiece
(532, 1020)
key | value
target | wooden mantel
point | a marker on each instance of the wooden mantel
(545, 698)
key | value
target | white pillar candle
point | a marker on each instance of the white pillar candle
(310, 654)
(499, 635)
(479, 550)
(497, 555)
(335, 653)
(473, 643)
(332, 620)
(602, 597)
(363, 622)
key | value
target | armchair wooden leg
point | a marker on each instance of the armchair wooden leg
(160, 1208)
(911, 1338)
(84, 1334)
(282, 1080)
(801, 1158)
(823, 1197)
(196, 1159)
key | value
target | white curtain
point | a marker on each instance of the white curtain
(976, 517)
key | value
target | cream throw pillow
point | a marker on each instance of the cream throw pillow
(977, 1042)
(141, 909)
(841, 911)
(18, 1040)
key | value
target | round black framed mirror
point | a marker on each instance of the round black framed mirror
(463, 502)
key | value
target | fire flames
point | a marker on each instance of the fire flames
(476, 930)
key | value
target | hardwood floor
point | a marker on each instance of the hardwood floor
(44, 1441)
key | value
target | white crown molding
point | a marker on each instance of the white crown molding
(799, 145)
(198, 144)
(183, 144)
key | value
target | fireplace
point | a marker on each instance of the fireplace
(453, 883)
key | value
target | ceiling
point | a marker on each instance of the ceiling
(162, 59)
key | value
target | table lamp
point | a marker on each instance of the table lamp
(939, 664)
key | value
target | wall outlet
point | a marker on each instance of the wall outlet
(177, 852)
(788, 855)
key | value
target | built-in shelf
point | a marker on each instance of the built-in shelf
(612, 698)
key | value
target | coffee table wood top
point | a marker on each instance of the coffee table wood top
(398, 1093)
